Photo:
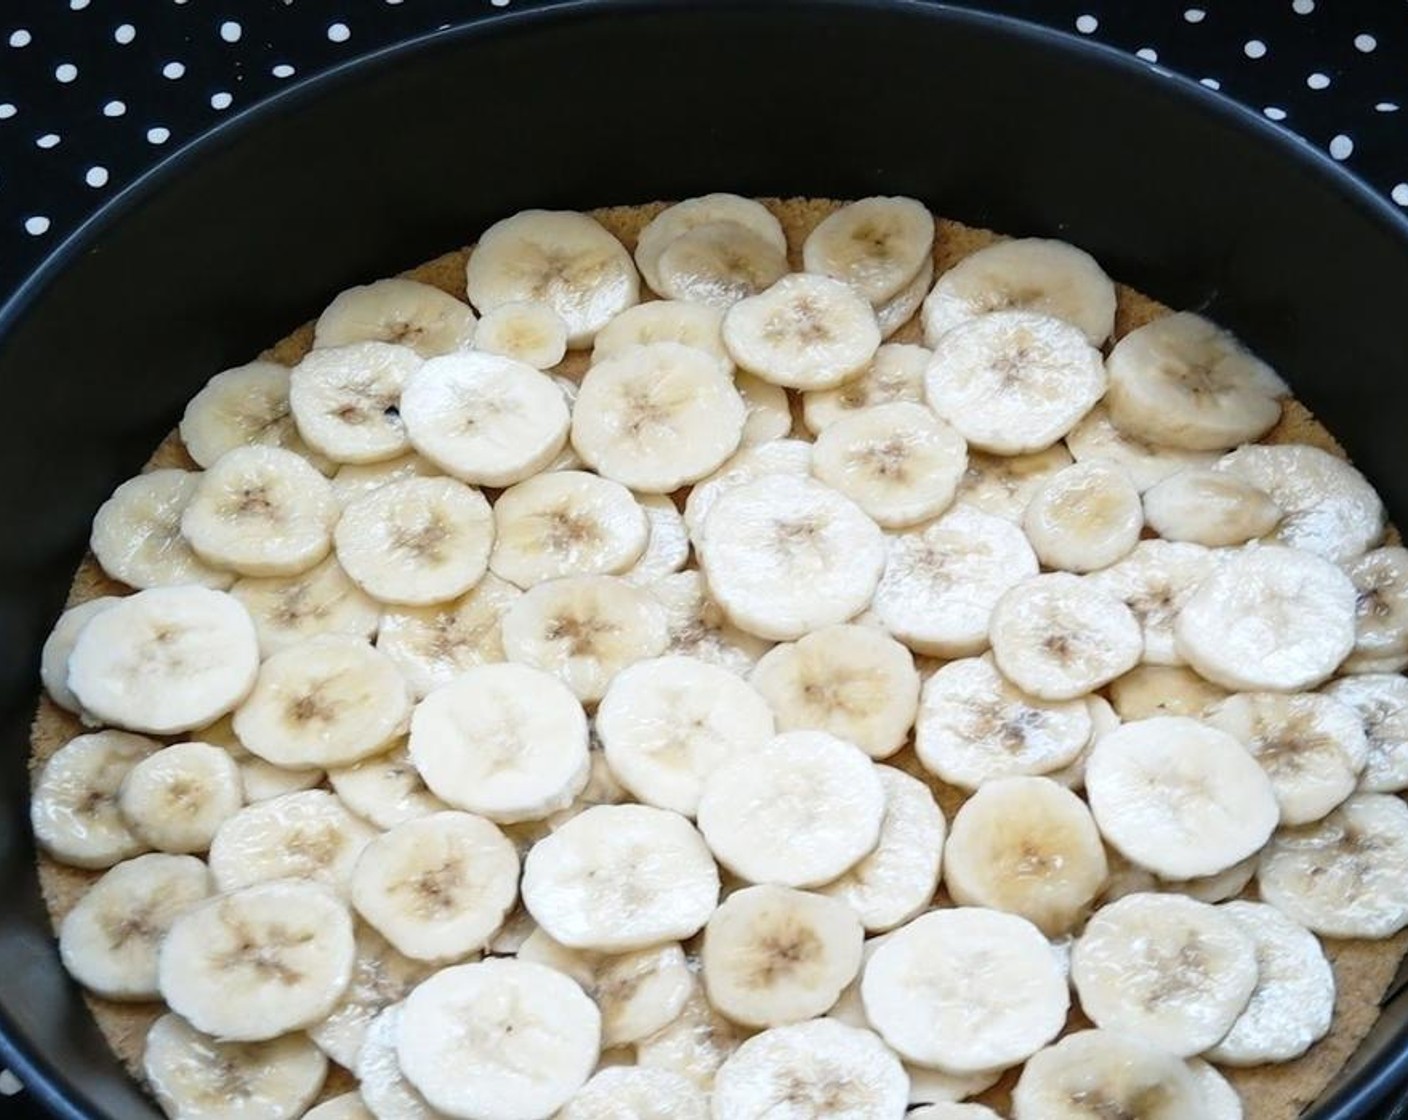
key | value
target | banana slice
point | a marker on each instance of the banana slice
(505, 741)
(290, 609)
(348, 1106)
(628, 1093)
(176, 799)
(656, 417)
(1002, 485)
(1209, 507)
(876, 245)
(1268, 618)
(1090, 1075)
(897, 880)
(1028, 847)
(245, 405)
(431, 646)
(137, 539)
(1155, 581)
(769, 410)
(1312, 747)
(1057, 636)
(782, 456)
(345, 400)
(526, 331)
(804, 332)
(165, 660)
(854, 681)
(675, 221)
(899, 309)
(559, 258)
(718, 264)
(698, 627)
(307, 835)
(923, 987)
(357, 480)
(664, 320)
(58, 647)
(1096, 439)
(773, 955)
(637, 992)
(1084, 518)
(380, 977)
(196, 1077)
(1179, 797)
(667, 549)
(621, 877)
(666, 724)
(438, 887)
(384, 1089)
(1342, 876)
(1031, 274)
(109, 940)
(1172, 971)
(385, 789)
(786, 555)
(1381, 621)
(1294, 1000)
(806, 1071)
(800, 783)
(261, 780)
(954, 1112)
(932, 1086)
(1211, 888)
(415, 542)
(419, 316)
(566, 523)
(1219, 1097)
(1381, 703)
(261, 511)
(1103, 718)
(1162, 690)
(695, 1045)
(1355, 664)
(259, 962)
(517, 927)
(895, 374)
(899, 462)
(1329, 507)
(1013, 382)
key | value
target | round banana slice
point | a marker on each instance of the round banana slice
(1096, 439)
(718, 264)
(637, 992)
(524, 330)
(418, 541)
(899, 462)
(357, 480)
(406, 312)
(306, 835)
(1328, 507)
(666, 724)
(1154, 581)
(1172, 971)
(1002, 485)
(1179, 797)
(433, 645)
(856, 682)
(1092, 1074)
(1029, 847)
(559, 258)
(1013, 382)
(773, 955)
(1219, 1097)
(245, 405)
(675, 221)
(897, 880)
(438, 887)
(1294, 1000)
(895, 374)
(1084, 518)
(876, 245)
(698, 627)
(176, 799)
(1182, 381)
(695, 1045)
(900, 308)
(782, 456)
(58, 647)
(504, 741)
(924, 986)
(806, 1071)
(1057, 636)
(137, 539)
(667, 549)
(1209, 507)
(165, 660)
(109, 940)
(656, 417)
(1312, 747)
(196, 1077)
(346, 400)
(1162, 690)
(629, 1093)
(787, 555)
(1344, 875)
(287, 610)
(348, 1106)
(384, 1089)
(664, 320)
(1381, 626)
(621, 877)
(1381, 702)
(256, 963)
(1268, 618)
(800, 783)
(1031, 274)
(804, 332)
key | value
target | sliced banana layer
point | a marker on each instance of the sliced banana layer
(1013, 382)
(1090, 1075)
(306, 835)
(1179, 797)
(695, 1045)
(675, 221)
(1154, 581)
(1209, 507)
(1166, 969)
(290, 609)
(667, 549)
(1084, 518)
(876, 245)
(631, 1093)
(1002, 485)
(1381, 622)
(895, 374)
(526, 331)
(346, 400)
(664, 320)
(433, 645)
(698, 627)
(73, 808)
(801, 783)
(1028, 847)
(245, 405)
(1162, 690)
(137, 539)
(1096, 439)
(176, 799)
(718, 264)
(965, 990)
(58, 647)
(559, 258)
(1381, 702)
(405, 312)
(782, 456)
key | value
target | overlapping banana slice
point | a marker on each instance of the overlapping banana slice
(408, 313)
(524, 330)
(895, 374)
(137, 535)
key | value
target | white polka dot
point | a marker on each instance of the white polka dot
(282, 70)
(231, 31)
(1274, 113)
(1318, 80)
(9, 1083)
(77, 5)
(1302, 7)
(158, 135)
(96, 177)
(1211, 83)
(393, 2)
(221, 100)
(1387, 106)
(1195, 15)
(124, 33)
(114, 109)
(48, 140)
(1365, 43)
(20, 38)
(499, 3)
(1254, 48)
(65, 72)
(1400, 194)
(1341, 147)
(173, 70)
(1148, 54)
(7, 110)
(1086, 24)
(339, 32)
(36, 225)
